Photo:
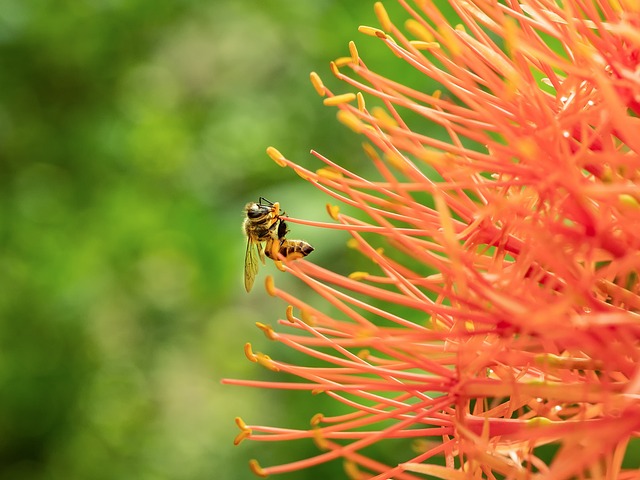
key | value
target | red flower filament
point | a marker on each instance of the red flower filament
(503, 314)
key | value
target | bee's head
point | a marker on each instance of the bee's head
(254, 210)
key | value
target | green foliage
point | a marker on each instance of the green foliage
(132, 134)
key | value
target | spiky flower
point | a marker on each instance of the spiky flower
(502, 314)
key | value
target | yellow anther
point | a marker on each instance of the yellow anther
(364, 354)
(339, 99)
(352, 471)
(434, 158)
(538, 422)
(437, 94)
(267, 330)
(355, 58)
(319, 440)
(372, 32)
(317, 419)
(353, 243)
(334, 69)
(276, 156)
(248, 352)
(451, 40)
(396, 160)
(270, 285)
(422, 445)
(418, 30)
(317, 391)
(279, 265)
(380, 251)
(245, 432)
(241, 436)
(342, 61)
(370, 151)
(383, 16)
(333, 211)
(350, 120)
(330, 173)
(289, 314)
(307, 317)
(511, 31)
(240, 423)
(267, 362)
(383, 117)
(302, 173)
(317, 83)
(257, 469)
(628, 201)
(361, 104)
(527, 147)
(358, 275)
(421, 45)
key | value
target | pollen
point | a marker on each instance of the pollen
(353, 50)
(339, 99)
(267, 362)
(333, 211)
(383, 16)
(316, 81)
(276, 156)
(352, 470)
(342, 61)
(627, 200)
(270, 286)
(248, 352)
(350, 120)
(267, 330)
(420, 45)
(527, 147)
(396, 160)
(289, 314)
(361, 102)
(364, 354)
(353, 243)
(257, 469)
(245, 432)
(319, 439)
(451, 41)
(383, 117)
(302, 173)
(358, 275)
(316, 419)
(307, 317)
(434, 158)
(419, 31)
(372, 32)
(329, 173)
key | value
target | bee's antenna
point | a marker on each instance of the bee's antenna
(262, 199)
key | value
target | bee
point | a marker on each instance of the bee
(263, 224)
(289, 249)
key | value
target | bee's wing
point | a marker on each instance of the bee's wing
(251, 264)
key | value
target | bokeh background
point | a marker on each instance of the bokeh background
(132, 133)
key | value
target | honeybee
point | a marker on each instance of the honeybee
(263, 224)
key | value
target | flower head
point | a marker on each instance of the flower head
(501, 313)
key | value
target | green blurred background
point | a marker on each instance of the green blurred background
(132, 133)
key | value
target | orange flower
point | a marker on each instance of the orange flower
(503, 312)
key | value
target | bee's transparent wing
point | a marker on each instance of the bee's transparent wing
(251, 260)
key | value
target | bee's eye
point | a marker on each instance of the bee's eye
(256, 211)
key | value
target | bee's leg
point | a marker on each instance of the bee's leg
(272, 248)
(282, 231)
